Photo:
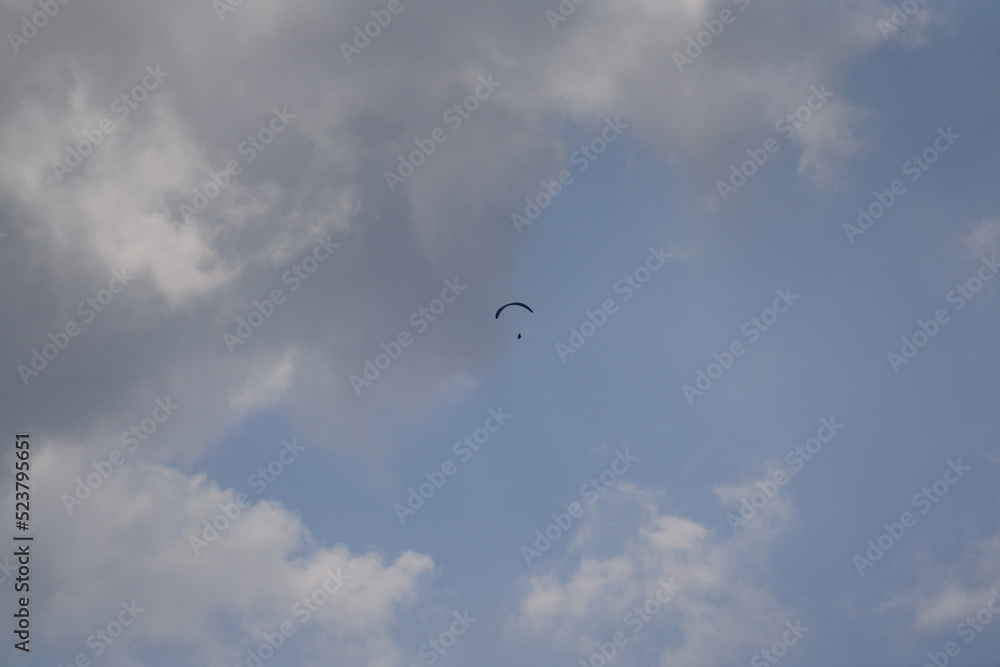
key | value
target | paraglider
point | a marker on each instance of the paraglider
(515, 303)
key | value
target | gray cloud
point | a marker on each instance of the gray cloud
(324, 175)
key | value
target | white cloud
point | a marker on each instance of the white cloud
(130, 540)
(982, 238)
(619, 59)
(945, 593)
(724, 610)
(830, 140)
(265, 385)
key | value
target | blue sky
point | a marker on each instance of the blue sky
(792, 580)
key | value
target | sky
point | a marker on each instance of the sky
(253, 251)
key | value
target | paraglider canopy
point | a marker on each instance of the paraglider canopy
(515, 303)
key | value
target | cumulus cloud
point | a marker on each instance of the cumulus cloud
(721, 613)
(131, 540)
(325, 175)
